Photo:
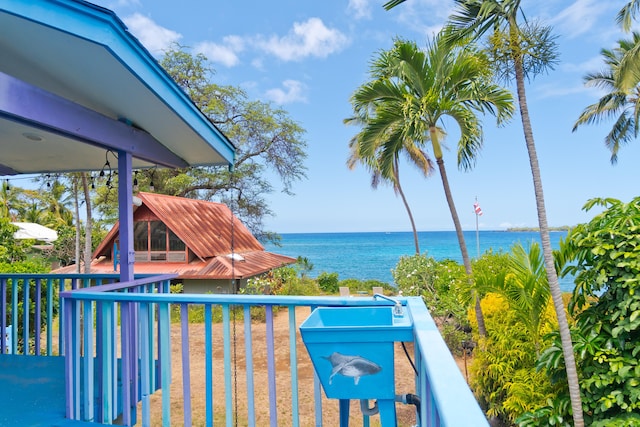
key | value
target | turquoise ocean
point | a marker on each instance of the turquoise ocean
(372, 255)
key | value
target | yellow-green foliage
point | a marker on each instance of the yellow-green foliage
(504, 377)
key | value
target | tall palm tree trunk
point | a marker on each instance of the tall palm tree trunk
(552, 276)
(76, 206)
(456, 222)
(88, 225)
(398, 188)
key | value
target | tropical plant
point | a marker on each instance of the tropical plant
(619, 103)
(11, 250)
(504, 375)
(375, 163)
(415, 90)
(628, 74)
(603, 256)
(520, 51)
(526, 290)
(444, 289)
(10, 201)
(304, 266)
(328, 282)
(265, 137)
(18, 285)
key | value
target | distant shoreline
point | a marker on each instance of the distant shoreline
(505, 230)
(517, 229)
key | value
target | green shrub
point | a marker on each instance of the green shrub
(328, 282)
(442, 285)
(603, 257)
(504, 375)
(27, 267)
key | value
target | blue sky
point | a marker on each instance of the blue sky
(309, 56)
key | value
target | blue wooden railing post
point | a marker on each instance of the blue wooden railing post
(4, 344)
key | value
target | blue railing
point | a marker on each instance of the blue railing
(35, 331)
(118, 340)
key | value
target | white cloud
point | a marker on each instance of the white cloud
(293, 92)
(225, 53)
(155, 38)
(580, 17)
(360, 9)
(310, 38)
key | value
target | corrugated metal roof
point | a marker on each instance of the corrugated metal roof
(208, 229)
(219, 267)
(205, 227)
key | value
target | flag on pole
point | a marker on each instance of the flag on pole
(477, 209)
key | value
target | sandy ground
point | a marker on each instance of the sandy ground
(404, 379)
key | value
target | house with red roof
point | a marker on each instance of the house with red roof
(203, 242)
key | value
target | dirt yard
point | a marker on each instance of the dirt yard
(404, 379)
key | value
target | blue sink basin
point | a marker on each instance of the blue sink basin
(364, 324)
(352, 349)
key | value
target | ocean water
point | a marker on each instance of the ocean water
(372, 255)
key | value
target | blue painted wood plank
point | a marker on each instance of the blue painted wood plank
(38, 320)
(248, 348)
(50, 316)
(186, 370)
(3, 315)
(87, 361)
(271, 369)
(145, 369)
(25, 316)
(293, 363)
(125, 342)
(107, 343)
(228, 389)
(208, 345)
(165, 362)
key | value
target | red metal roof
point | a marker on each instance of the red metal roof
(208, 229)
(219, 267)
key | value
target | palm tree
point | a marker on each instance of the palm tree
(522, 51)
(413, 92)
(416, 156)
(33, 212)
(526, 289)
(10, 201)
(617, 102)
(628, 74)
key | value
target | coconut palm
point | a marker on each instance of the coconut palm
(621, 104)
(412, 93)
(416, 156)
(520, 51)
(628, 74)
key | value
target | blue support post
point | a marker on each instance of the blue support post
(125, 211)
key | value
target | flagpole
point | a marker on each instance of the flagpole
(477, 230)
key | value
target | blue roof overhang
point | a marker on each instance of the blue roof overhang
(75, 83)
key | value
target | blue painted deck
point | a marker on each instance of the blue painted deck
(32, 392)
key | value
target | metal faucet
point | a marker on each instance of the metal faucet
(397, 306)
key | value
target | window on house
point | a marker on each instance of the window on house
(153, 241)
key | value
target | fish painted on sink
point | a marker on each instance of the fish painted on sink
(351, 366)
